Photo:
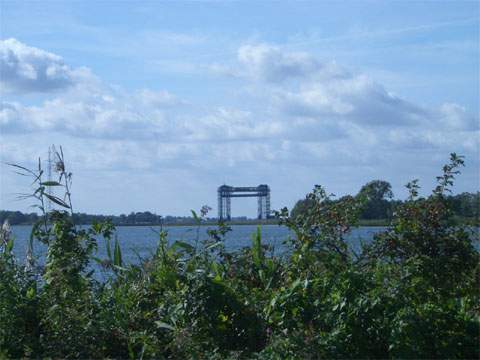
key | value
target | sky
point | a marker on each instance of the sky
(156, 104)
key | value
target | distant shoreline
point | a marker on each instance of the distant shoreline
(363, 223)
(367, 223)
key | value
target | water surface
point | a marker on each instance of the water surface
(141, 241)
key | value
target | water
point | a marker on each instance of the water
(140, 242)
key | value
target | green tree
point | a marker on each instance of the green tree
(377, 195)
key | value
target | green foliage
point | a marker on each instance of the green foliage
(412, 293)
(378, 200)
(66, 303)
(18, 303)
(379, 206)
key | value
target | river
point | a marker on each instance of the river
(141, 241)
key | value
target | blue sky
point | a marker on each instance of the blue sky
(156, 104)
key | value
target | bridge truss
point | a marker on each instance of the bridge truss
(226, 193)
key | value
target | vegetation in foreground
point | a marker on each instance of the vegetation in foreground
(412, 293)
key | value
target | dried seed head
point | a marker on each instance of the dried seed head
(5, 233)
(59, 166)
(204, 210)
(6, 227)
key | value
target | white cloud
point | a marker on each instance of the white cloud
(25, 69)
(157, 99)
(269, 63)
(295, 112)
(324, 103)
(92, 110)
(325, 90)
(455, 117)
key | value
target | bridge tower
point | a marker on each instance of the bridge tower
(224, 202)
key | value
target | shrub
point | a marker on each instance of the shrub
(412, 293)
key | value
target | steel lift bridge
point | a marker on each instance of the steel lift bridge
(226, 193)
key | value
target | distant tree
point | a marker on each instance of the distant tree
(131, 218)
(378, 195)
(301, 207)
(32, 218)
(377, 190)
(466, 204)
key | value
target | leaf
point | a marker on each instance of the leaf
(195, 216)
(117, 254)
(295, 284)
(51, 183)
(257, 252)
(24, 196)
(214, 245)
(120, 268)
(164, 325)
(98, 260)
(189, 248)
(21, 167)
(57, 201)
(40, 190)
(109, 250)
(31, 293)
(9, 246)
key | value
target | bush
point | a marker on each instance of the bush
(412, 293)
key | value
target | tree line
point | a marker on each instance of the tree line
(134, 218)
(379, 203)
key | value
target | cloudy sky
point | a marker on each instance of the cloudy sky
(157, 104)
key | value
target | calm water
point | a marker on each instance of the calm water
(141, 241)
